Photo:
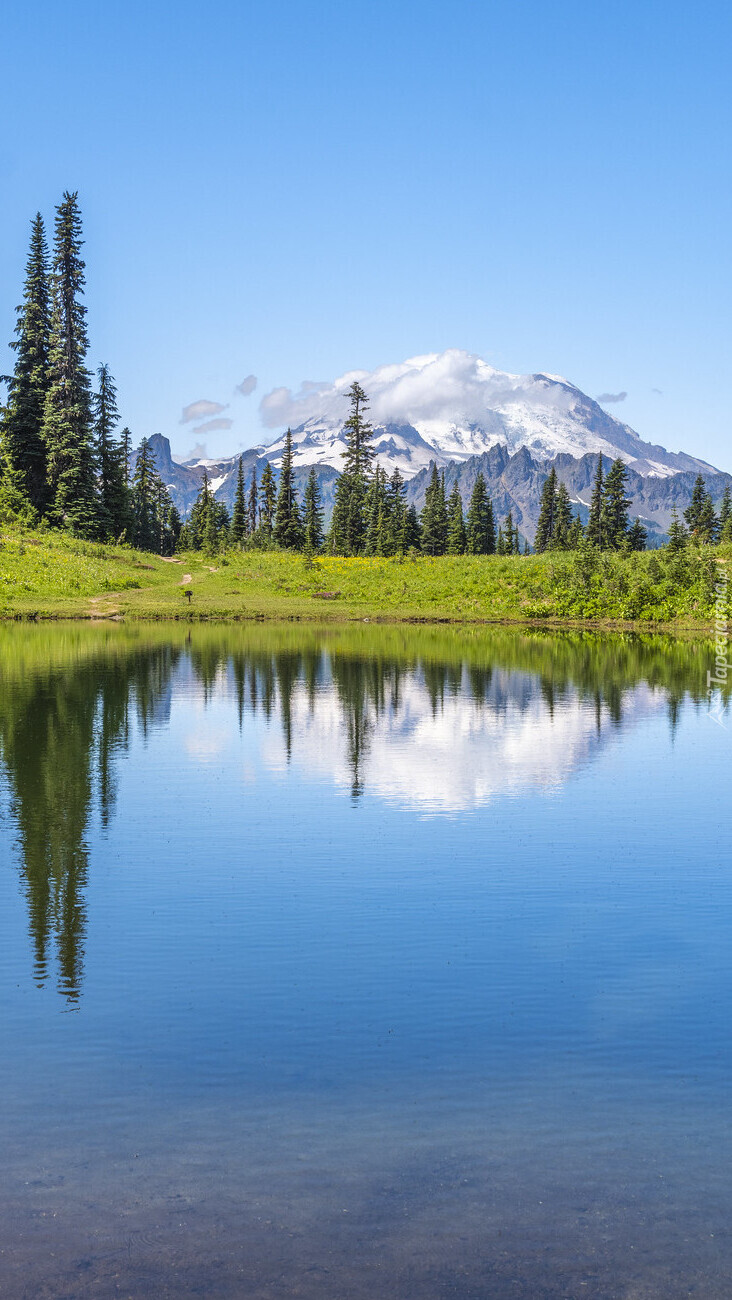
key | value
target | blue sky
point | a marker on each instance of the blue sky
(293, 190)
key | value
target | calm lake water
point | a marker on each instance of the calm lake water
(363, 963)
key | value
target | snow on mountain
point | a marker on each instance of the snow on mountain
(452, 405)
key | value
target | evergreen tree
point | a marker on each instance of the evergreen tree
(480, 528)
(145, 495)
(576, 533)
(434, 516)
(725, 516)
(252, 504)
(397, 514)
(67, 424)
(615, 505)
(563, 519)
(376, 513)
(21, 432)
(313, 520)
(510, 536)
(677, 534)
(594, 522)
(239, 517)
(708, 523)
(338, 531)
(288, 529)
(455, 523)
(500, 543)
(358, 433)
(637, 536)
(110, 472)
(412, 534)
(547, 513)
(693, 512)
(267, 503)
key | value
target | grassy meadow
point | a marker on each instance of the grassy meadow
(52, 575)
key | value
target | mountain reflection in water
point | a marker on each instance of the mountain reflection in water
(434, 720)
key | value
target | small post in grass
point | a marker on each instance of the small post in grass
(189, 594)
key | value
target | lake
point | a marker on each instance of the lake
(363, 962)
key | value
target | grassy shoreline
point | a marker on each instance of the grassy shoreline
(48, 575)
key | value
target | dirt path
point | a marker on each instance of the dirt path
(186, 578)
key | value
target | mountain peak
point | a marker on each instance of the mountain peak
(449, 406)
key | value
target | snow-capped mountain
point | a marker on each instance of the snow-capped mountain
(451, 406)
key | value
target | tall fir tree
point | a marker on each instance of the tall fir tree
(313, 513)
(358, 434)
(725, 515)
(693, 512)
(615, 506)
(239, 516)
(480, 527)
(397, 514)
(455, 523)
(434, 516)
(547, 513)
(67, 419)
(110, 471)
(145, 499)
(21, 432)
(594, 522)
(252, 504)
(267, 504)
(563, 520)
(288, 529)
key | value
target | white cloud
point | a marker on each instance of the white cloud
(247, 386)
(450, 386)
(200, 409)
(607, 398)
(211, 425)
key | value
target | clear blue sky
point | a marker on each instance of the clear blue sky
(296, 189)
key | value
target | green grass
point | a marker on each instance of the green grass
(49, 574)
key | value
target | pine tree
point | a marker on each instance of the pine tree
(313, 518)
(376, 513)
(693, 512)
(677, 534)
(563, 519)
(576, 533)
(725, 516)
(434, 516)
(500, 543)
(21, 432)
(412, 533)
(594, 522)
(252, 504)
(480, 528)
(267, 504)
(637, 536)
(547, 513)
(397, 514)
(67, 430)
(108, 462)
(288, 529)
(145, 500)
(510, 536)
(708, 530)
(615, 506)
(358, 433)
(455, 523)
(239, 517)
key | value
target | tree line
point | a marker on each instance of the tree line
(63, 462)
(62, 459)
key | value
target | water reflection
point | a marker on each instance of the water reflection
(435, 720)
